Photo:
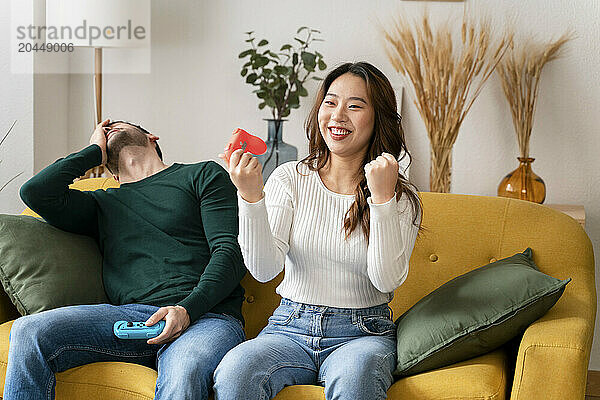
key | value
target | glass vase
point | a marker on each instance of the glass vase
(523, 183)
(278, 152)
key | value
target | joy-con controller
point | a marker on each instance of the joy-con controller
(137, 330)
(245, 141)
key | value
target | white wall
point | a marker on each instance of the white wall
(194, 97)
(50, 103)
(16, 103)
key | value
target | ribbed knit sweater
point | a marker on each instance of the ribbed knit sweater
(299, 224)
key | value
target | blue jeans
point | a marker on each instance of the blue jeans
(351, 352)
(56, 340)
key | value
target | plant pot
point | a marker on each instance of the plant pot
(278, 152)
(523, 183)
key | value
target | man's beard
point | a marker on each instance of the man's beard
(118, 142)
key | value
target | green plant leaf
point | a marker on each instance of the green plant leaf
(249, 32)
(294, 98)
(263, 42)
(302, 91)
(301, 29)
(251, 78)
(281, 70)
(244, 71)
(261, 61)
(316, 78)
(285, 112)
(270, 102)
(245, 53)
(249, 40)
(285, 47)
(308, 59)
(262, 105)
(315, 30)
(295, 59)
(300, 40)
(322, 65)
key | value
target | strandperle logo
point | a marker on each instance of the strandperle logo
(91, 33)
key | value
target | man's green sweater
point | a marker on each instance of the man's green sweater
(168, 239)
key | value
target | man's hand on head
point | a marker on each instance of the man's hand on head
(99, 137)
(177, 320)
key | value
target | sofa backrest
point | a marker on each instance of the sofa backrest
(464, 232)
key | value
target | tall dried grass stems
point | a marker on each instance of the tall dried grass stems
(445, 76)
(520, 73)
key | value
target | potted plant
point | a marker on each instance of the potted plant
(446, 75)
(279, 79)
(2, 141)
(520, 73)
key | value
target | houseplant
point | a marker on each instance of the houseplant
(2, 141)
(520, 73)
(279, 79)
(446, 76)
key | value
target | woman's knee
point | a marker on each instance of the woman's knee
(237, 366)
(362, 375)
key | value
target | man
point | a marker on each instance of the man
(168, 237)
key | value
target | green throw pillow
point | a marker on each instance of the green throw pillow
(474, 313)
(42, 267)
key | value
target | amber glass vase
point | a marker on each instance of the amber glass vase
(523, 183)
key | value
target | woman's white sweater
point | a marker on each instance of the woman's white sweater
(299, 223)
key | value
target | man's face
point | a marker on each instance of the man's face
(118, 136)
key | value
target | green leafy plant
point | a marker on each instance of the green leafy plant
(2, 141)
(279, 77)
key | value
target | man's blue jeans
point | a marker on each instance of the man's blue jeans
(56, 340)
(351, 352)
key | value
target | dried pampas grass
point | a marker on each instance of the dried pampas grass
(520, 73)
(446, 76)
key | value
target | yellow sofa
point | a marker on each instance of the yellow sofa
(549, 361)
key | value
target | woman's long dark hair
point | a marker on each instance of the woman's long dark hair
(388, 136)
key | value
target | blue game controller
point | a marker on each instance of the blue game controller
(137, 330)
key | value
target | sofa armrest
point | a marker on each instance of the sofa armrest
(554, 352)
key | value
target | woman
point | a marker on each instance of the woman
(345, 222)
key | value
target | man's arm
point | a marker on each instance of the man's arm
(48, 193)
(225, 270)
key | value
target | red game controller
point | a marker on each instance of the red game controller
(245, 141)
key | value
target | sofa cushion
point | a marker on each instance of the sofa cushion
(483, 377)
(42, 267)
(474, 313)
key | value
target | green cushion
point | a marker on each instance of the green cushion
(42, 267)
(474, 313)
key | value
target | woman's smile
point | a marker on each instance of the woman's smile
(339, 133)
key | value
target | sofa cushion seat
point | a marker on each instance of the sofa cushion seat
(483, 378)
